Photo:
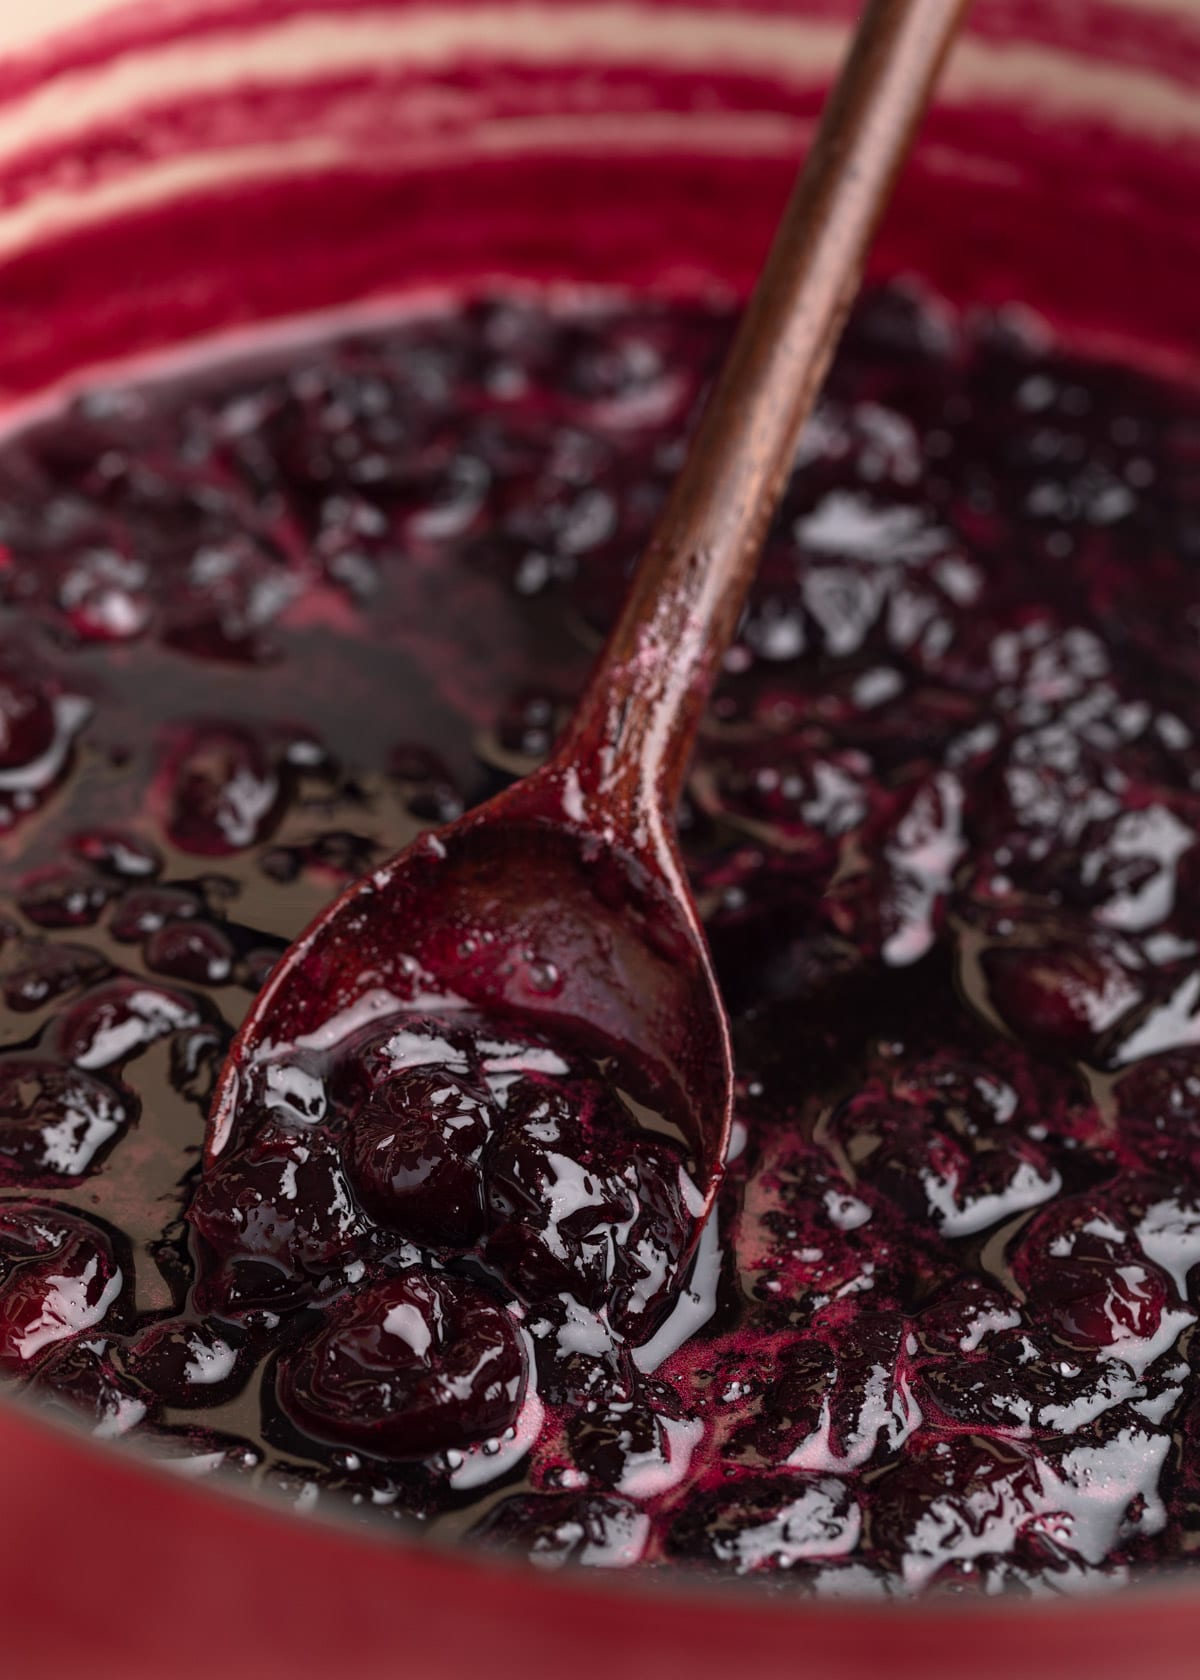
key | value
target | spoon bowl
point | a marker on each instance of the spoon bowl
(529, 916)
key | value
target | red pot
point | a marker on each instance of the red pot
(172, 170)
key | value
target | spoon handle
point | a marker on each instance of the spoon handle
(631, 737)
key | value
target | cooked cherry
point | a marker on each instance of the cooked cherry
(196, 1054)
(629, 1444)
(980, 1394)
(764, 1524)
(195, 952)
(103, 596)
(58, 1277)
(529, 724)
(118, 852)
(86, 1379)
(62, 898)
(415, 1365)
(277, 1218)
(224, 793)
(202, 1452)
(143, 910)
(45, 972)
(583, 1204)
(965, 1316)
(1065, 996)
(430, 792)
(414, 1158)
(27, 724)
(232, 590)
(184, 1363)
(960, 1175)
(1158, 1101)
(119, 1019)
(409, 1041)
(837, 1413)
(55, 1120)
(1091, 1304)
(580, 1358)
(953, 1499)
(550, 1529)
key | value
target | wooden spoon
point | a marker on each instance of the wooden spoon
(561, 905)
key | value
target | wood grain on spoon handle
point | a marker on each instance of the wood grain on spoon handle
(638, 718)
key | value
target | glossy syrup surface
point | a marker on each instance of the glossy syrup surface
(259, 628)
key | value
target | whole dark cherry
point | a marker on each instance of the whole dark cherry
(414, 1156)
(58, 1277)
(26, 721)
(583, 1204)
(275, 1220)
(223, 792)
(408, 1367)
(56, 1121)
(84, 1378)
(185, 1362)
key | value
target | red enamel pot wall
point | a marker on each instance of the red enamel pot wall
(177, 170)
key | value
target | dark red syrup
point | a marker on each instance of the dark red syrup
(262, 627)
